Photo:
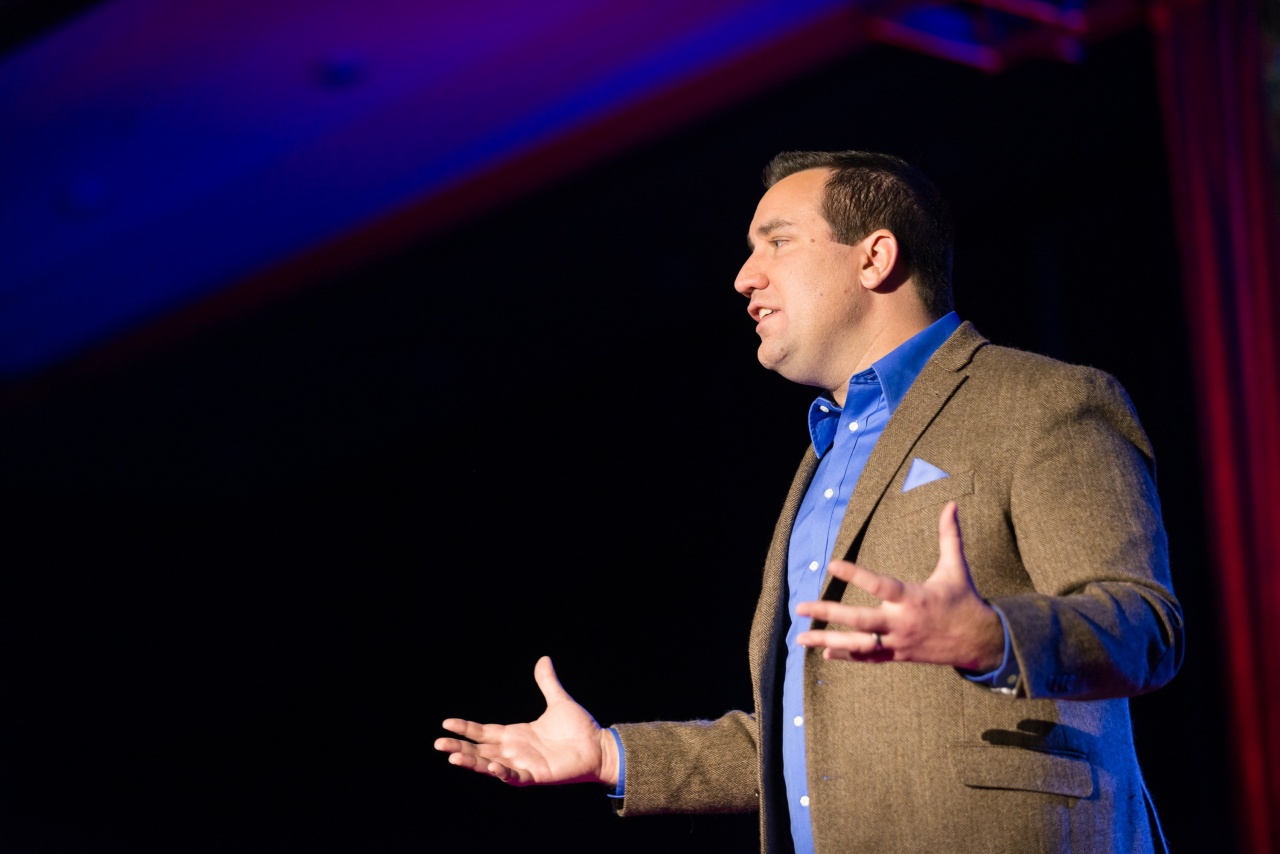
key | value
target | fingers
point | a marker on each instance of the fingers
(458, 745)
(855, 617)
(510, 776)
(462, 753)
(886, 588)
(848, 646)
(466, 729)
(465, 755)
(473, 732)
(864, 640)
(913, 621)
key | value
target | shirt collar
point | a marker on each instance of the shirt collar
(894, 373)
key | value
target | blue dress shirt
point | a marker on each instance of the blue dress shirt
(843, 438)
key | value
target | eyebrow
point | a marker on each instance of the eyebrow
(767, 228)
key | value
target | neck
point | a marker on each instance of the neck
(882, 336)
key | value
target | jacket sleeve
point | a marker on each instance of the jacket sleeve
(691, 767)
(1103, 620)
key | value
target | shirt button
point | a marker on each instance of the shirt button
(829, 493)
(813, 565)
(804, 801)
(853, 426)
(798, 721)
(824, 409)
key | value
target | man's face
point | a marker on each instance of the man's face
(803, 286)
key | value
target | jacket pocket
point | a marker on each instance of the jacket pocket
(1025, 770)
(935, 493)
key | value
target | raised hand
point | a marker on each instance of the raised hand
(564, 745)
(941, 621)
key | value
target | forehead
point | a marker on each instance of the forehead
(795, 201)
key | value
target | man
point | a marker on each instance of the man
(945, 696)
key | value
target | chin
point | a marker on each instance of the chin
(770, 358)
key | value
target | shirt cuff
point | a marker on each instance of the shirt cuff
(1004, 678)
(622, 765)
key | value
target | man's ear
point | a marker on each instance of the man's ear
(879, 258)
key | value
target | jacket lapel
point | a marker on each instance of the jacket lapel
(771, 608)
(945, 371)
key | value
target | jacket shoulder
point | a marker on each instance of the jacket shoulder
(1046, 389)
(1050, 375)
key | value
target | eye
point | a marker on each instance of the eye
(777, 242)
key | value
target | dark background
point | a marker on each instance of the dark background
(250, 572)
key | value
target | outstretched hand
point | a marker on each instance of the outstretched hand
(564, 745)
(940, 621)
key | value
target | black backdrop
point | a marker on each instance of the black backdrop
(248, 574)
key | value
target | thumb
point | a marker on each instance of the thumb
(545, 675)
(951, 562)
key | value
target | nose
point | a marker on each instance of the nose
(749, 279)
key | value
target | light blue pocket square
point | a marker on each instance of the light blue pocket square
(921, 473)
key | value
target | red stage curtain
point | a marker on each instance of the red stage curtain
(1210, 57)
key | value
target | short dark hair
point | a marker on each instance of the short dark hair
(867, 191)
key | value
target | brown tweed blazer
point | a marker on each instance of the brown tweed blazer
(1061, 524)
